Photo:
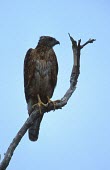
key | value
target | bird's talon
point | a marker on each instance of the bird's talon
(53, 102)
(39, 104)
(34, 106)
(39, 108)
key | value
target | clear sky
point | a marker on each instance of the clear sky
(78, 136)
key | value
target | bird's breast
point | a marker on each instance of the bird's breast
(43, 67)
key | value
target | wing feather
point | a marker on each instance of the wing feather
(29, 68)
(54, 69)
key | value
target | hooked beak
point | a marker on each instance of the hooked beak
(57, 42)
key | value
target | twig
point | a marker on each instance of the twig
(59, 103)
(89, 41)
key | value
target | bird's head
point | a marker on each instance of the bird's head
(48, 41)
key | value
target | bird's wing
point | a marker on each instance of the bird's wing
(29, 68)
(54, 69)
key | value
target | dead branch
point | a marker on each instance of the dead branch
(76, 47)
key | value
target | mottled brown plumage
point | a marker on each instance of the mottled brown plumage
(40, 77)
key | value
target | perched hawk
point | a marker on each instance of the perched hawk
(40, 77)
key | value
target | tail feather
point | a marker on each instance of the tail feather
(33, 131)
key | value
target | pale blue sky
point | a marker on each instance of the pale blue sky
(78, 136)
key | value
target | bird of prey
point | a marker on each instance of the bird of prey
(40, 77)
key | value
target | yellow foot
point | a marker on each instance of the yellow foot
(40, 103)
(50, 101)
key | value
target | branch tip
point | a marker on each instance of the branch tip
(89, 41)
(79, 42)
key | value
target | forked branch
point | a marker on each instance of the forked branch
(76, 47)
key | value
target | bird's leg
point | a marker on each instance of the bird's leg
(50, 101)
(40, 103)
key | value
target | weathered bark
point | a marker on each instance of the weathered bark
(76, 47)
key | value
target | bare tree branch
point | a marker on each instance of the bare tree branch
(89, 41)
(76, 47)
